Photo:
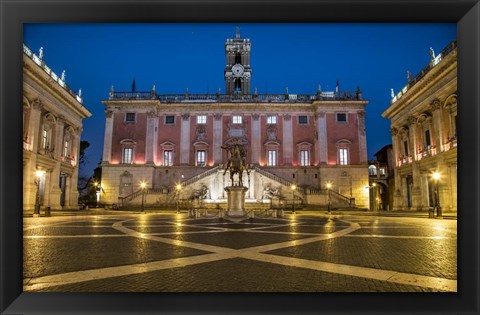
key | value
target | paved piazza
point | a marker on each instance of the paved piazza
(314, 252)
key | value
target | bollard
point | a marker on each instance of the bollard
(47, 211)
(431, 213)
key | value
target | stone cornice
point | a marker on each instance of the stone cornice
(40, 77)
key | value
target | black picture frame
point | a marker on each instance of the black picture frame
(466, 13)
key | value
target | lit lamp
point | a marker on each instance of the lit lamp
(97, 192)
(329, 186)
(143, 185)
(436, 177)
(293, 187)
(178, 188)
(374, 196)
(38, 175)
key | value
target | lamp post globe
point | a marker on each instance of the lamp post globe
(143, 185)
(329, 186)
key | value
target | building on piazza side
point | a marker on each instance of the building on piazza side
(52, 127)
(423, 118)
(165, 139)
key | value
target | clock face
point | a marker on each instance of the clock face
(237, 70)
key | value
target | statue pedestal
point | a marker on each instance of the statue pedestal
(236, 201)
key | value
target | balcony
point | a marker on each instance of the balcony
(450, 143)
(426, 152)
(404, 159)
(68, 159)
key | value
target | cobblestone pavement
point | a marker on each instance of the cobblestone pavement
(165, 252)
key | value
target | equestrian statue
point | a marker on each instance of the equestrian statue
(237, 162)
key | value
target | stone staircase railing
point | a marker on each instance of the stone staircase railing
(273, 176)
(200, 176)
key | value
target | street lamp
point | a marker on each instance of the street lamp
(329, 186)
(38, 175)
(374, 196)
(293, 187)
(436, 177)
(178, 188)
(142, 186)
(97, 193)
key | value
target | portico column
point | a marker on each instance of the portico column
(107, 142)
(322, 146)
(72, 188)
(29, 187)
(439, 126)
(287, 139)
(256, 136)
(185, 139)
(217, 138)
(55, 191)
(397, 196)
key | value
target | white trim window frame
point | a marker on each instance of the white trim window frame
(272, 157)
(271, 119)
(237, 119)
(167, 157)
(201, 119)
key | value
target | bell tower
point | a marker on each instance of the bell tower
(238, 72)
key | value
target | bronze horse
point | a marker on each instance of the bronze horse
(236, 163)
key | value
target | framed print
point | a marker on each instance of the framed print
(230, 194)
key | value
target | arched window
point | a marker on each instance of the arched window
(238, 85)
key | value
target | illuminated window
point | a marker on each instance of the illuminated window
(271, 119)
(382, 171)
(272, 157)
(201, 119)
(127, 156)
(44, 139)
(66, 148)
(372, 170)
(237, 119)
(167, 158)
(305, 158)
(343, 156)
(201, 158)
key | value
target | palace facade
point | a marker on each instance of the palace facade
(304, 140)
(52, 126)
(423, 119)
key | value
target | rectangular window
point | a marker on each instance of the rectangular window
(44, 139)
(200, 158)
(405, 147)
(130, 117)
(343, 156)
(304, 158)
(272, 157)
(167, 158)
(127, 155)
(201, 119)
(66, 149)
(237, 119)
(427, 138)
(302, 120)
(169, 120)
(271, 119)
(382, 171)
(341, 117)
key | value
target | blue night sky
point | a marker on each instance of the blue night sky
(175, 56)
